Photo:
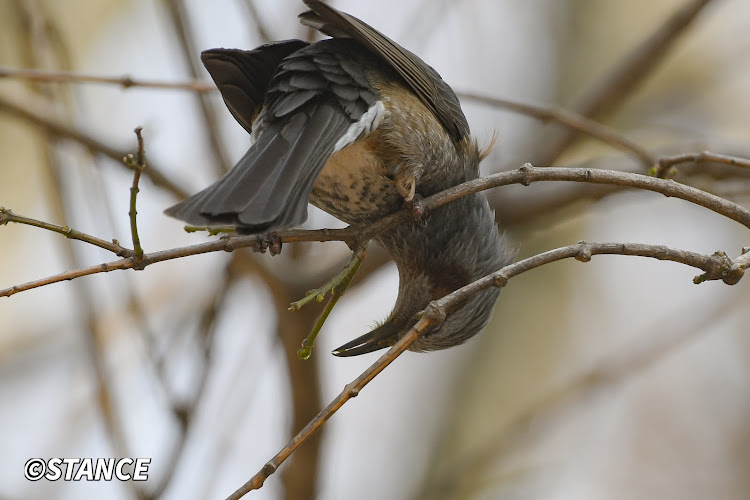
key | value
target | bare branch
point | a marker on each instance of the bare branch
(715, 266)
(430, 319)
(138, 164)
(356, 235)
(126, 82)
(665, 163)
(7, 215)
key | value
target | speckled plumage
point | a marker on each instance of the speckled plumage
(356, 125)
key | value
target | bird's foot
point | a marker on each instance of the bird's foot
(269, 241)
(417, 210)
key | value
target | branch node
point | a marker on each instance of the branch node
(720, 267)
(352, 390)
(501, 280)
(526, 170)
(5, 215)
(584, 252)
(139, 263)
(434, 313)
(269, 469)
(228, 243)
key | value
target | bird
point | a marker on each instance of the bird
(358, 126)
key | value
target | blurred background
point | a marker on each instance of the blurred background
(617, 379)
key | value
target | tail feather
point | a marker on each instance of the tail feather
(270, 186)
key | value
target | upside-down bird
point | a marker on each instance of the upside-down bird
(358, 126)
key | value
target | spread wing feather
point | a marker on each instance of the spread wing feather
(423, 79)
(299, 116)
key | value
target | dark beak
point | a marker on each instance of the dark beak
(380, 338)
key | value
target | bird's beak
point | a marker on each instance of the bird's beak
(380, 338)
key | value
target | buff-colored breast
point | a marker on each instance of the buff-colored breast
(354, 185)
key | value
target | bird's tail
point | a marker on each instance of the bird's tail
(269, 187)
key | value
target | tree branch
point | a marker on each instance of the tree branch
(716, 266)
(356, 235)
(665, 163)
(7, 216)
(126, 82)
(138, 164)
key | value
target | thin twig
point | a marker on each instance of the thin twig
(716, 266)
(665, 163)
(44, 41)
(569, 119)
(612, 89)
(517, 209)
(430, 319)
(337, 286)
(356, 235)
(6, 215)
(126, 82)
(138, 164)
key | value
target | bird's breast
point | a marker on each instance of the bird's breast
(354, 185)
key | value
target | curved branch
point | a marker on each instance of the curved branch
(354, 235)
(716, 266)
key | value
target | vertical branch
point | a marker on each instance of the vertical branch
(138, 164)
(181, 24)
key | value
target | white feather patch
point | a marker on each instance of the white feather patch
(368, 122)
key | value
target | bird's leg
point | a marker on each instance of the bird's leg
(417, 210)
(406, 185)
(337, 286)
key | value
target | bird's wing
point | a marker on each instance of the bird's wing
(315, 96)
(421, 78)
(242, 76)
